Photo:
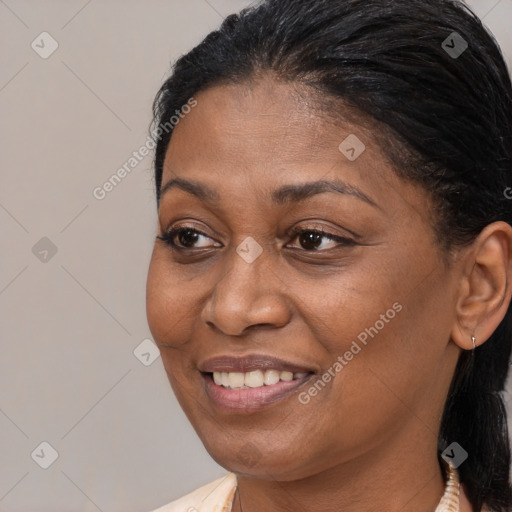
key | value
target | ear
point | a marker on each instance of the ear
(485, 287)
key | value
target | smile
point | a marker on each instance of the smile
(241, 398)
(254, 379)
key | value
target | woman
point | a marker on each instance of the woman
(330, 285)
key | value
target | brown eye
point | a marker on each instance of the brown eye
(312, 240)
(185, 238)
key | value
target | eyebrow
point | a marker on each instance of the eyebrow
(286, 194)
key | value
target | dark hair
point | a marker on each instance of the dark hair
(445, 122)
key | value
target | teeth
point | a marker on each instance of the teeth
(254, 379)
(286, 376)
(235, 379)
(271, 377)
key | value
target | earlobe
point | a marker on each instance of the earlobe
(486, 286)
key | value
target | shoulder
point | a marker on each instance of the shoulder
(215, 496)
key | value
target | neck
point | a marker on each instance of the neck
(404, 476)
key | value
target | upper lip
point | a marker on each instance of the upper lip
(250, 363)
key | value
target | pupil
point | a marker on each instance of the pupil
(310, 240)
(188, 233)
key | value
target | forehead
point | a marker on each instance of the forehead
(262, 134)
(265, 116)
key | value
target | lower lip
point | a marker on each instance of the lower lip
(252, 399)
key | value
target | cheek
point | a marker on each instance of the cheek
(348, 309)
(392, 351)
(166, 315)
(384, 303)
(167, 309)
(380, 324)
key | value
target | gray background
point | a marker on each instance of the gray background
(71, 321)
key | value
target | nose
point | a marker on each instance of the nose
(246, 295)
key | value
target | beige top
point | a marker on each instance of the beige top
(216, 496)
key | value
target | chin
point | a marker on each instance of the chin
(259, 459)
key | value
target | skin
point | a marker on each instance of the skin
(368, 440)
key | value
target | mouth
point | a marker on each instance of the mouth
(254, 379)
(251, 383)
(241, 398)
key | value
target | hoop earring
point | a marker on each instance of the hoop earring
(473, 340)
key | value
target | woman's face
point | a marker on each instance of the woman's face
(364, 310)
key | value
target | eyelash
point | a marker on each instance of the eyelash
(169, 236)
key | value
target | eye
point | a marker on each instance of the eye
(185, 238)
(315, 239)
